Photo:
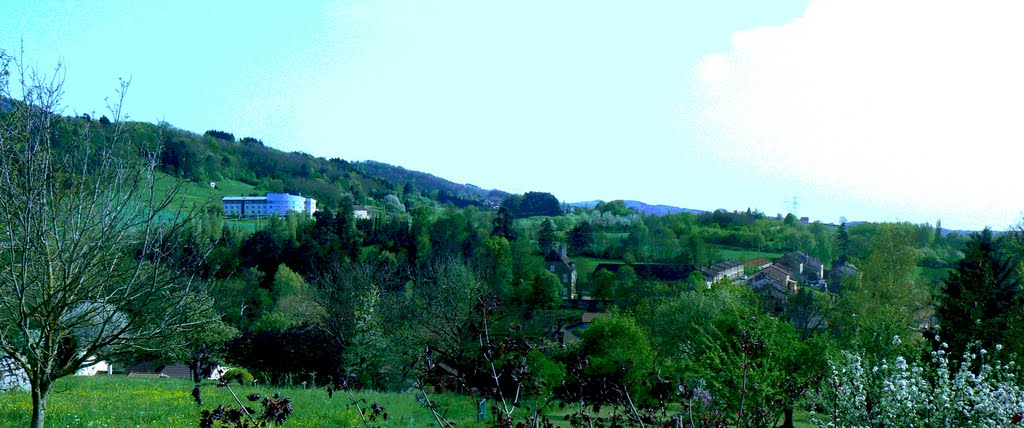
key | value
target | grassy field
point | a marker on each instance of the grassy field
(201, 193)
(741, 254)
(121, 401)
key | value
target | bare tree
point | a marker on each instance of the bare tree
(87, 241)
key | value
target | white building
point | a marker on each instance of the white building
(91, 369)
(274, 204)
(360, 212)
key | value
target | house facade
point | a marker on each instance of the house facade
(801, 264)
(729, 269)
(361, 212)
(273, 204)
(565, 269)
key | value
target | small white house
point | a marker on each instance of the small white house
(101, 367)
(218, 372)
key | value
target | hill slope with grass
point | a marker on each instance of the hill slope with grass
(247, 166)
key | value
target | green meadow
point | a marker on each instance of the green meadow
(122, 401)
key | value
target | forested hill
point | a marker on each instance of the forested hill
(422, 180)
(217, 155)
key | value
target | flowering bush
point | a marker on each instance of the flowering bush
(979, 392)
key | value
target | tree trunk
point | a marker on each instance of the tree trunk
(39, 395)
(788, 417)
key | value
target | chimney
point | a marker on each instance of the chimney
(561, 252)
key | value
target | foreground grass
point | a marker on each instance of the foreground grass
(121, 401)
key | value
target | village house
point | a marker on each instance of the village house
(154, 369)
(565, 269)
(729, 269)
(361, 212)
(93, 368)
(774, 284)
(842, 274)
(804, 267)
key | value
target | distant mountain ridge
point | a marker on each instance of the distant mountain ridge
(642, 207)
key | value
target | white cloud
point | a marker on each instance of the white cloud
(915, 104)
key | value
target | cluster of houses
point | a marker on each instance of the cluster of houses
(775, 281)
(783, 277)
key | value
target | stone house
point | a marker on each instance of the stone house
(558, 263)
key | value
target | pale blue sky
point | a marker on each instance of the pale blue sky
(724, 104)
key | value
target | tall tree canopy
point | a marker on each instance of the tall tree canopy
(981, 296)
(533, 204)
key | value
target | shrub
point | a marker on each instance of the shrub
(242, 376)
(980, 392)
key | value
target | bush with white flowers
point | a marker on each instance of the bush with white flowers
(979, 392)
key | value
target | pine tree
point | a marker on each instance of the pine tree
(980, 297)
(503, 225)
(842, 244)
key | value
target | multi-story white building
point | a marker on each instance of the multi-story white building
(274, 204)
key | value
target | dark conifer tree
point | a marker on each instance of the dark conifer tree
(980, 297)
(503, 225)
(842, 244)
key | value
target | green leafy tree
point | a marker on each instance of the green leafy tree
(498, 265)
(625, 280)
(753, 366)
(581, 237)
(615, 208)
(603, 284)
(981, 296)
(367, 352)
(887, 301)
(532, 204)
(295, 303)
(618, 350)
(791, 220)
(545, 291)
(546, 236)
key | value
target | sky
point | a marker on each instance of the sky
(894, 110)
